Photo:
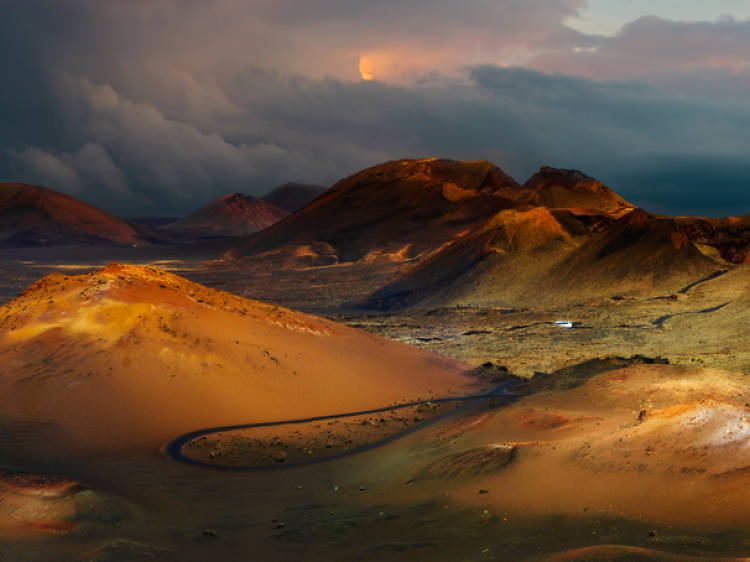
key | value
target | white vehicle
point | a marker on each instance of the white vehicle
(564, 323)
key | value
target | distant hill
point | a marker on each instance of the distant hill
(31, 215)
(396, 211)
(639, 253)
(293, 196)
(537, 256)
(236, 214)
(512, 239)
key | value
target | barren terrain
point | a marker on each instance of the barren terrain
(500, 372)
(536, 478)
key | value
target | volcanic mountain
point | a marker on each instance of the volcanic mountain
(36, 216)
(519, 242)
(396, 211)
(558, 188)
(129, 357)
(236, 214)
(529, 257)
(293, 196)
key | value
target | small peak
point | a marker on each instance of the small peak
(637, 216)
(638, 219)
(236, 196)
(113, 267)
(129, 270)
(476, 175)
(550, 171)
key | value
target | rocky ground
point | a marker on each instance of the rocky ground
(613, 455)
(304, 442)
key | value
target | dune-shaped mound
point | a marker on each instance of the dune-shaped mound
(654, 442)
(403, 208)
(293, 196)
(558, 188)
(236, 214)
(560, 257)
(132, 356)
(36, 216)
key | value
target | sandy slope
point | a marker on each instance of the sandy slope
(651, 442)
(131, 356)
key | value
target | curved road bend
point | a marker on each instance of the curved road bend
(174, 448)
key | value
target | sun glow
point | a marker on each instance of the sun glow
(365, 69)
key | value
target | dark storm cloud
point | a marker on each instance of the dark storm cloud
(157, 107)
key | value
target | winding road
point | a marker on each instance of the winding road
(174, 448)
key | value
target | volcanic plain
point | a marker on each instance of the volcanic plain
(426, 361)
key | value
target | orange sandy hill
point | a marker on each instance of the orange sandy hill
(236, 214)
(293, 196)
(540, 256)
(648, 442)
(131, 356)
(36, 216)
(398, 210)
(558, 188)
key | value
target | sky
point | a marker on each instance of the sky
(156, 107)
